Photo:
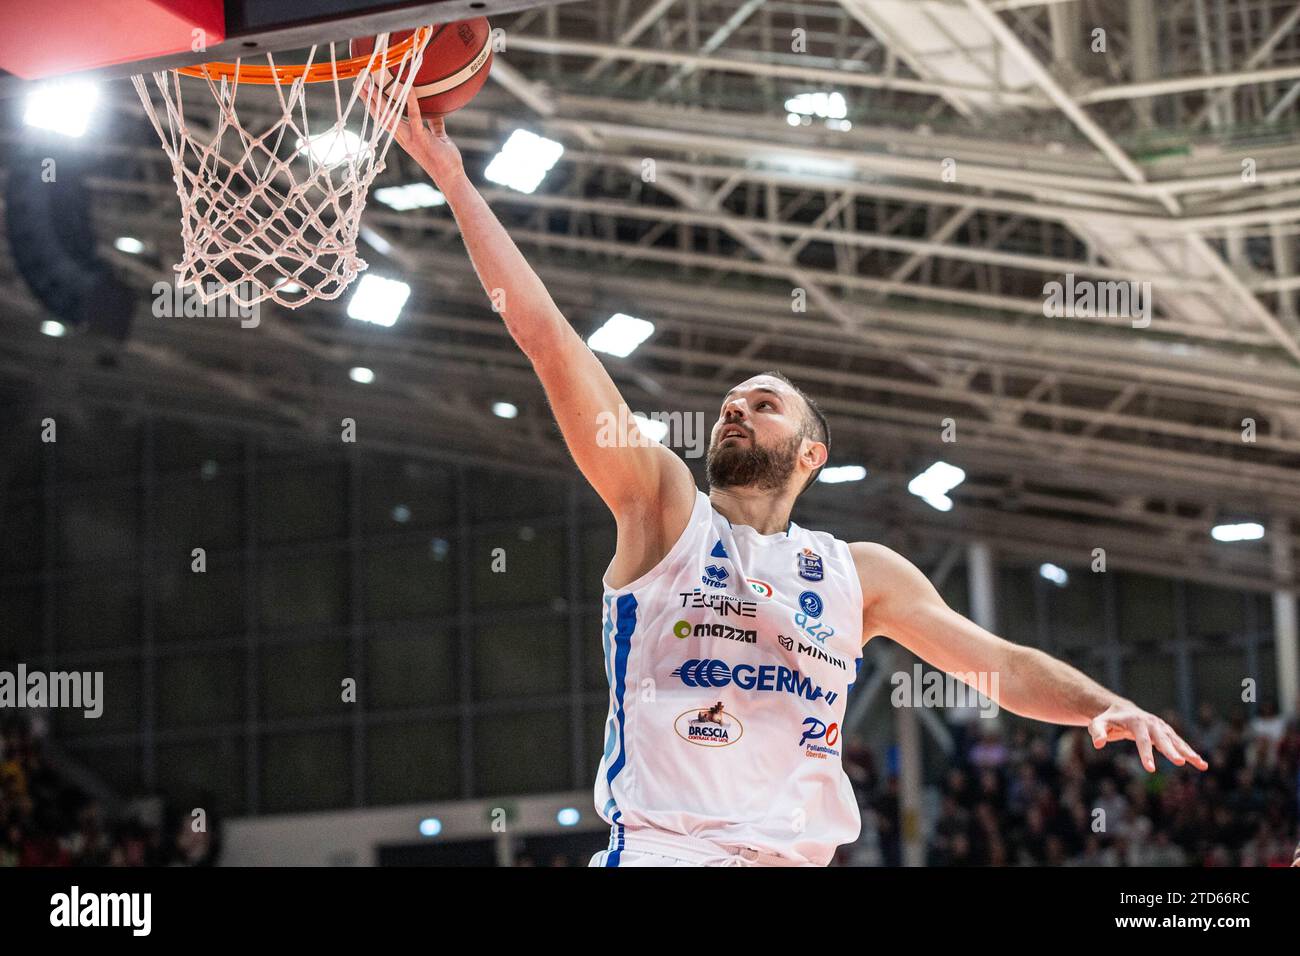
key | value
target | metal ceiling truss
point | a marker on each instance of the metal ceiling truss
(924, 294)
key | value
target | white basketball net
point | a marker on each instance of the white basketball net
(271, 203)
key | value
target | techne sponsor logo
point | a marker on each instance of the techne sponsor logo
(774, 678)
(720, 604)
(815, 730)
(684, 629)
(709, 726)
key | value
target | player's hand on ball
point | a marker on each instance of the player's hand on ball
(424, 139)
(1127, 721)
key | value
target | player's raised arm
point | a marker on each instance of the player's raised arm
(900, 603)
(626, 469)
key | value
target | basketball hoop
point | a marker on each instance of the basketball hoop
(271, 204)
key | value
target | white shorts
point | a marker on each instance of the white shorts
(621, 858)
(656, 848)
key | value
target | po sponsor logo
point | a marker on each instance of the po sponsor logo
(819, 738)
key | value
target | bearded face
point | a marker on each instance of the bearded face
(740, 461)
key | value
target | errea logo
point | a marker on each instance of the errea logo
(715, 576)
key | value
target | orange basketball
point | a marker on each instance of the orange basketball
(455, 65)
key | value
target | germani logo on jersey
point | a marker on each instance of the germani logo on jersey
(810, 565)
(766, 678)
(710, 726)
(819, 739)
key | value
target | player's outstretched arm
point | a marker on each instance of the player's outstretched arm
(900, 603)
(631, 473)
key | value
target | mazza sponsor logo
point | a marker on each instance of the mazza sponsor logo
(684, 629)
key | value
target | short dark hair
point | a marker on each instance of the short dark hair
(815, 425)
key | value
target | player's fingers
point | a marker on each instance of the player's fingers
(1143, 738)
(375, 104)
(367, 94)
(1164, 740)
(413, 109)
(1097, 730)
(1196, 759)
(437, 126)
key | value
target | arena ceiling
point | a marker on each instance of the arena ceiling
(991, 147)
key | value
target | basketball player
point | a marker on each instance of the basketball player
(732, 635)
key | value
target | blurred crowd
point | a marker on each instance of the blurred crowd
(1029, 794)
(1012, 793)
(45, 820)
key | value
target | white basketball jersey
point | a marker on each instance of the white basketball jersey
(729, 663)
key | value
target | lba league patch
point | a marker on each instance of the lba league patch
(810, 565)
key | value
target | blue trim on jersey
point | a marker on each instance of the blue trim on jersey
(857, 672)
(611, 733)
(626, 614)
(605, 632)
(615, 852)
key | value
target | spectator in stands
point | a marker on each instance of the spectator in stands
(46, 821)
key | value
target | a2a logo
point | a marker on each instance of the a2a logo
(814, 628)
(808, 618)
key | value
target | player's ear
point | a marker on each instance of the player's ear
(818, 451)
